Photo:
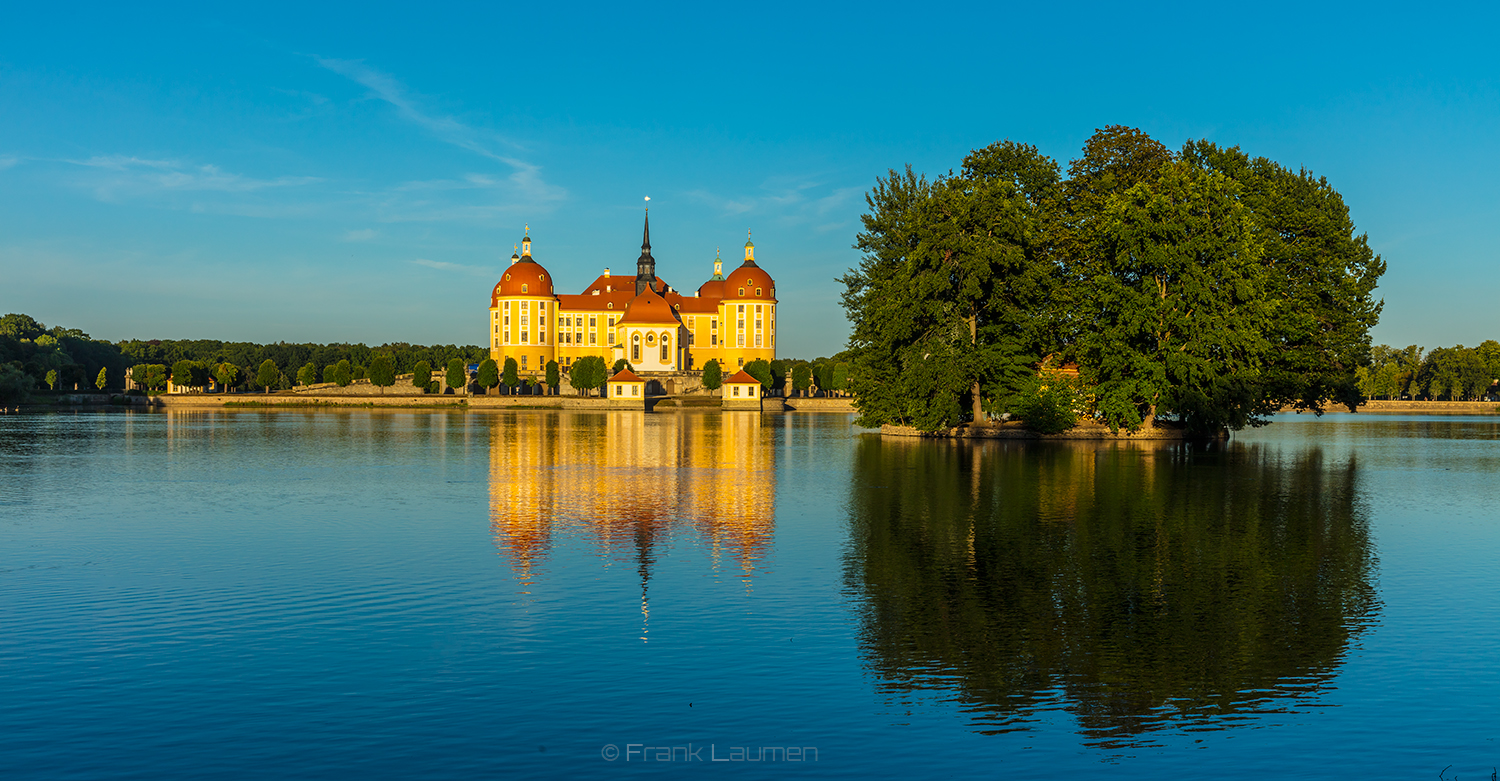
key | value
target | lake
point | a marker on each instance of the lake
(404, 594)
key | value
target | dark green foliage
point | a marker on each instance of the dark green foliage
(189, 374)
(1211, 288)
(15, 385)
(801, 378)
(512, 375)
(267, 375)
(308, 374)
(1177, 299)
(103, 378)
(152, 376)
(779, 369)
(421, 375)
(951, 296)
(228, 375)
(840, 380)
(621, 364)
(1321, 281)
(713, 376)
(1048, 404)
(21, 327)
(488, 375)
(760, 369)
(588, 373)
(358, 372)
(382, 372)
(343, 373)
(455, 376)
(553, 375)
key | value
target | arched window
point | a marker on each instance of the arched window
(757, 291)
(635, 347)
(665, 347)
(524, 288)
(742, 291)
(650, 338)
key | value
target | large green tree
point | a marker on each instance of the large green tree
(713, 375)
(227, 374)
(267, 375)
(801, 378)
(587, 373)
(1321, 279)
(1177, 302)
(950, 300)
(554, 376)
(308, 374)
(760, 369)
(511, 375)
(421, 376)
(382, 372)
(456, 377)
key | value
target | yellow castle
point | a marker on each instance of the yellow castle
(731, 318)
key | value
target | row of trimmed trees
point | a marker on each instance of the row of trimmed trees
(1443, 373)
(1203, 285)
(804, 377)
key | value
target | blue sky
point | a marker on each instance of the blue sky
(361, 172)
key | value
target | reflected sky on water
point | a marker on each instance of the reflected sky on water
(405, 593)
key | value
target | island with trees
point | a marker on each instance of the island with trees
(1197, 291)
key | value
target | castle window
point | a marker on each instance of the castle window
(507, 319)
(507, 337)
(742, 360)
(742, 307)
(635, 390)
(742, 291)
(750, 391)
(591, 337)
(507, 277)
(736, 390)
(610, 305)
(664, 348)
(757, 340)
(757, 291)
(523, 362)
(713, 323)
(757, 325)
(650, 338)
(541, 276)
(592, 322)
(713, 340)
(740, 339)
(635, 347)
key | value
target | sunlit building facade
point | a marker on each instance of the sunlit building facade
(641, 318)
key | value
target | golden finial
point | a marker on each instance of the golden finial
(528, 230)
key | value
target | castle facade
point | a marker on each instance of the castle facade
(641, 318)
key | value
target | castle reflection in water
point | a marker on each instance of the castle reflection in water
(629, 484)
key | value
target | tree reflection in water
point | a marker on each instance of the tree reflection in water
(1135, 588)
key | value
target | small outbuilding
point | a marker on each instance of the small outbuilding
(741, 391)
(626, 390)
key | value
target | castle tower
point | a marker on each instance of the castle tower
(645, 266)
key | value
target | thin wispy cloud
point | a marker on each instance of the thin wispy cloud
(442, 265)
(790, 201)
(525, 178)
(121, 175)
(8, 162)
(361, 235)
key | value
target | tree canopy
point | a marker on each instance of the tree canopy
(1204, 286)
(382, 372)
(713, 376)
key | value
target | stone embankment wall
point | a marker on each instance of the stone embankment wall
(1083, 432)
(1428, 407)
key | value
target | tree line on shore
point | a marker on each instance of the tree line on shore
(1456, 373)
(33, 356)
(1202, 286)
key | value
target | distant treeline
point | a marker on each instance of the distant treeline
(1441, 374)
(30, 352)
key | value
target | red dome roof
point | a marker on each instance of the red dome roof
(749, 281)
(648, 308)
(525, 277)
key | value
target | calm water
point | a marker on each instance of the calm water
(440, 595)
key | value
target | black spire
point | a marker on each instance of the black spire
(645, 267)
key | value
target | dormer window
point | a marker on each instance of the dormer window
(742, 291)
(757, 291)
(610, 305)
(525, 288)
(507, 277)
